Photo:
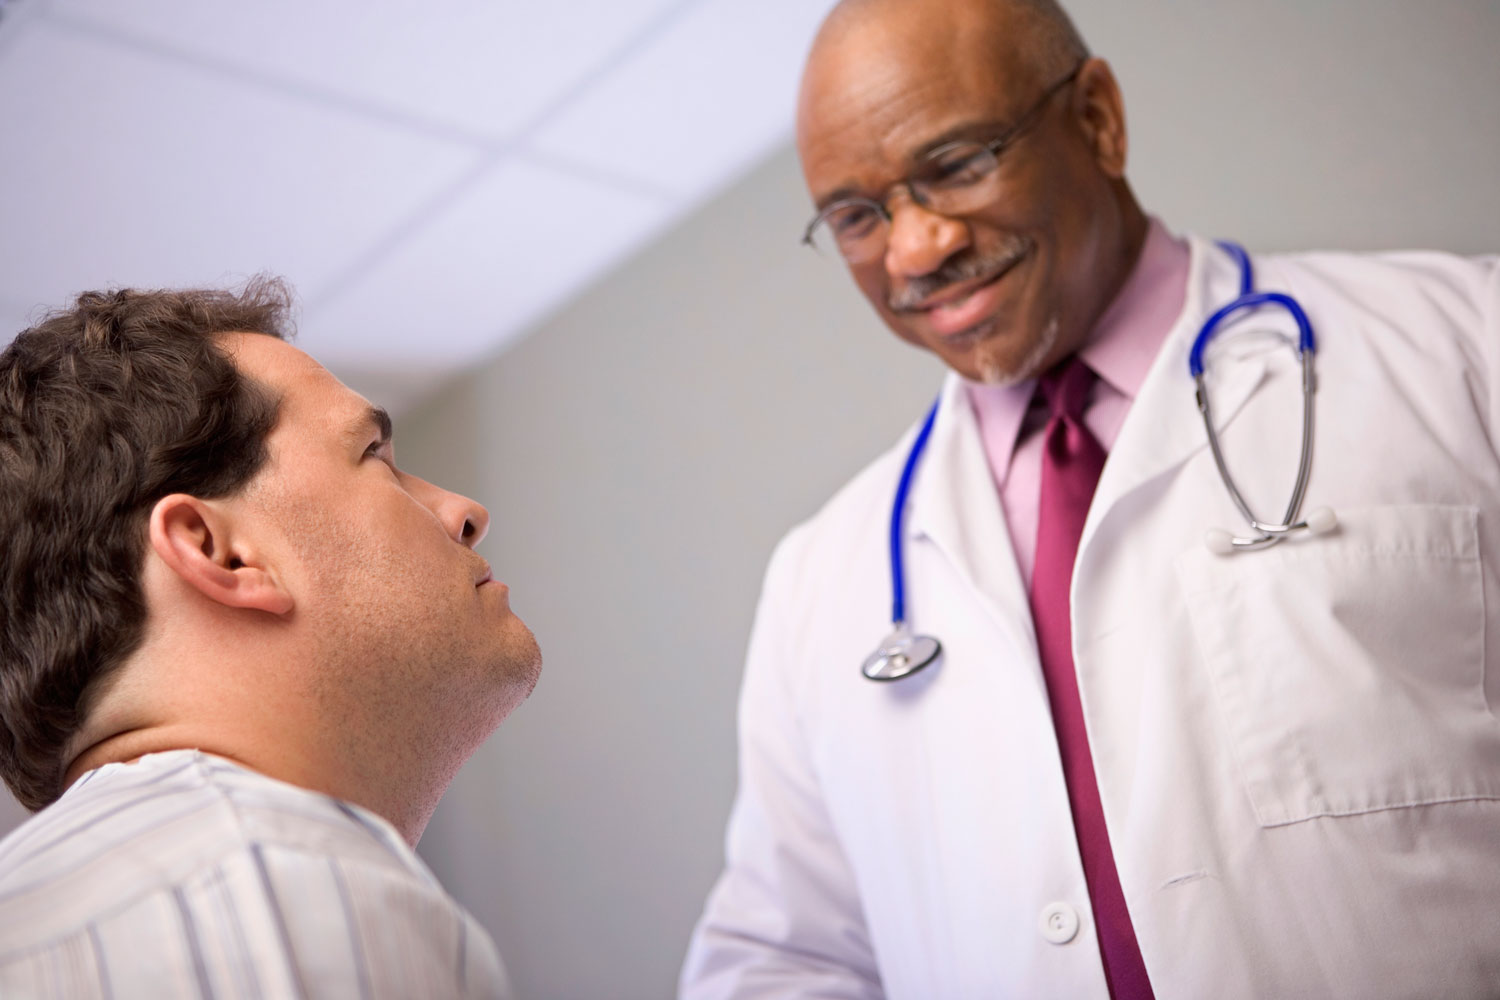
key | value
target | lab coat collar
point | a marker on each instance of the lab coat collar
(1164, 428)
(954, 504)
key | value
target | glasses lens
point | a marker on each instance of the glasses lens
(854, 230)
(958, 178)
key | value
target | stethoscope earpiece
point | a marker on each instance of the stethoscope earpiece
(1219, 541)
(1320, 521)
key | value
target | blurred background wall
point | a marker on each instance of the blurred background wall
(643, 444)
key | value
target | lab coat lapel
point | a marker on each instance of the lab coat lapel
(1163, 428)
(955, 507)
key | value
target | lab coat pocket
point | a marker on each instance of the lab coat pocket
(1348, 669)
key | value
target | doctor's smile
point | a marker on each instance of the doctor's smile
(959, 302)
(970, 300)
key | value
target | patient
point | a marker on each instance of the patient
(242, 655)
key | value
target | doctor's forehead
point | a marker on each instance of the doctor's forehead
(881, 66)
(942, 37)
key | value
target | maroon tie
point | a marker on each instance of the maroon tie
(1071, 462)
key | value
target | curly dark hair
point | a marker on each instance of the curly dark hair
(105, 408)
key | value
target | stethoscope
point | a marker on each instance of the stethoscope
(904, 651)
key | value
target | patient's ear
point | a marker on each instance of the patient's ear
(197, 541)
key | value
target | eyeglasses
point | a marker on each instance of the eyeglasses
(953, 179)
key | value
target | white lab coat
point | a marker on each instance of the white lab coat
(1297, 749)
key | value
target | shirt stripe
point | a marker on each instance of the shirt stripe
(355, 947)
(190, 933)
(185, 875)
(100, 966)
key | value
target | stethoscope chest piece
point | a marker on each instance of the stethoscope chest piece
(902, 654)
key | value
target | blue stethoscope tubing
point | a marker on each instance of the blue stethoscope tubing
(1265, 533)
(904, 652)
(898, 569)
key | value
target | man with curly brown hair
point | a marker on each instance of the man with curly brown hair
(242, 654)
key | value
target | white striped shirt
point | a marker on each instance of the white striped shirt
(184, 875)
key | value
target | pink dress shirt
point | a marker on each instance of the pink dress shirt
(1120, 352)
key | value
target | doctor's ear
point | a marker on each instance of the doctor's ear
(197, 541)
(1101, 111)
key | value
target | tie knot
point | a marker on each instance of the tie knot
(1066, 389)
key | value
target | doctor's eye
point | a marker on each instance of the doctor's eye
(957, 166)
(854, 220)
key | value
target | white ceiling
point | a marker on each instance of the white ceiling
(433, 177)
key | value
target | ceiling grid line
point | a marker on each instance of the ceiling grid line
(595, 174)
(328, 99)
(404, 228)
(619, 57)
(424, 215)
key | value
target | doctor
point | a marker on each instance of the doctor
(1139, 767)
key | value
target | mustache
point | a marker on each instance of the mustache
(956, 270)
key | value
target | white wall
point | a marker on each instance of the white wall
(643, 449)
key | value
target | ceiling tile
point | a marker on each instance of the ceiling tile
(119, 169)
(480, 66)
(711, 94)
(480, 272)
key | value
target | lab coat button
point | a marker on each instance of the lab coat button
(1059, 923)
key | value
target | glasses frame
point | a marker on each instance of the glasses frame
(994, 147)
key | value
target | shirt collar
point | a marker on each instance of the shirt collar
(1120, 350)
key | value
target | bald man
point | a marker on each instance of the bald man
(1141, 765)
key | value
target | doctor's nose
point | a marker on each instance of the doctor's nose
(920, 240)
